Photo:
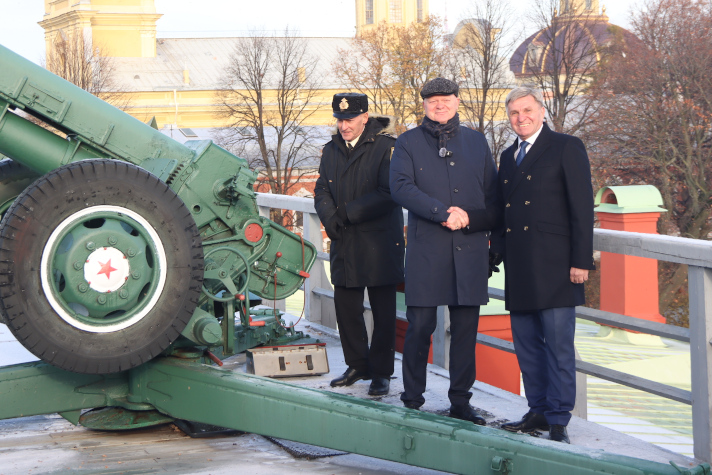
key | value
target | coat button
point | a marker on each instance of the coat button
(452, 164)
(455, 190)
(509, 230)
(506, 181)
(458, 248)
(507, 205)
(526, 203)
(526, 228)
(529, 177)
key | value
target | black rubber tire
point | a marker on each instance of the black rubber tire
(26, 229)
(14, 178)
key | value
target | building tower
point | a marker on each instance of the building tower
(370, 13)
(579, 7)
(121, 28)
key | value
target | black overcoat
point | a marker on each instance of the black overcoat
(548, 222)
(369, 249)
(445, 267)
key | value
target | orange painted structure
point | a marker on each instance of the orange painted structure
(629, 284)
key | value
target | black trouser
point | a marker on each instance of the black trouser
(463, 337)
(378, 359)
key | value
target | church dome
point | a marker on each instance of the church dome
(580, 37)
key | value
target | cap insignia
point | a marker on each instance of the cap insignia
(344, 104)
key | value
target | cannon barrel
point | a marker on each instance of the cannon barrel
(82, 116)
(128, 239)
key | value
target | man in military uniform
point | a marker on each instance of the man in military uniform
(353, 201)
(547, 244)
(446, 178)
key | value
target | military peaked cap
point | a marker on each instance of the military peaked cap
(347, 105)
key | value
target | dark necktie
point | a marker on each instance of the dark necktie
(522, 151)
(350, 147)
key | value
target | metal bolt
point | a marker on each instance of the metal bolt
(78, 265)
(136, 275)
(130, 252)
(91, 246)
(124, 294)
(101, 299)
(83, 287)
(113, 240)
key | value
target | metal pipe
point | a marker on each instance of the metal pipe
(38, 148)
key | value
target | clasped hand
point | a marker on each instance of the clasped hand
(458, 218)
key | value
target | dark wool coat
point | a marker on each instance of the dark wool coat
(445, 267)
(369, 249)
(548, 222)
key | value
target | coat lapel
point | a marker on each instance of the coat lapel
(356, 154)
(540, 146)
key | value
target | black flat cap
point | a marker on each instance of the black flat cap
(347, 105)
(439, 87)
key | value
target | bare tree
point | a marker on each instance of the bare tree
(74, 57)
(390, 64)
(267, 94)
(480, 64)
(562, 59)
(656, 127)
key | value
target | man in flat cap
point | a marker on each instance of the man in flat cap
(446, 178)
(353, 201)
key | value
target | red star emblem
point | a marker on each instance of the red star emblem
(106, 269)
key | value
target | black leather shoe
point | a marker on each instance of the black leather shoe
(558, 433)
(349, 377)
(379, 387)
(412, 405)
(529, 423)
(467, 413)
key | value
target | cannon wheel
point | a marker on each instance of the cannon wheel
(14, 177)
(101, 267)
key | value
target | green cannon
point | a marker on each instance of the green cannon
(118, 243)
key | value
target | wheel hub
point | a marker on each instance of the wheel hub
(106, 269)
(103, 269)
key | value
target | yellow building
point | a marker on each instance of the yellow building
(123, 28)
(370, 13)
(175, 79)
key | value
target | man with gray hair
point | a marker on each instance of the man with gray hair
(547, 243)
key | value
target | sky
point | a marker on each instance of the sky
(200, 18)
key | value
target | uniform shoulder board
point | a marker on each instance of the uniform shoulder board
(386, 134)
